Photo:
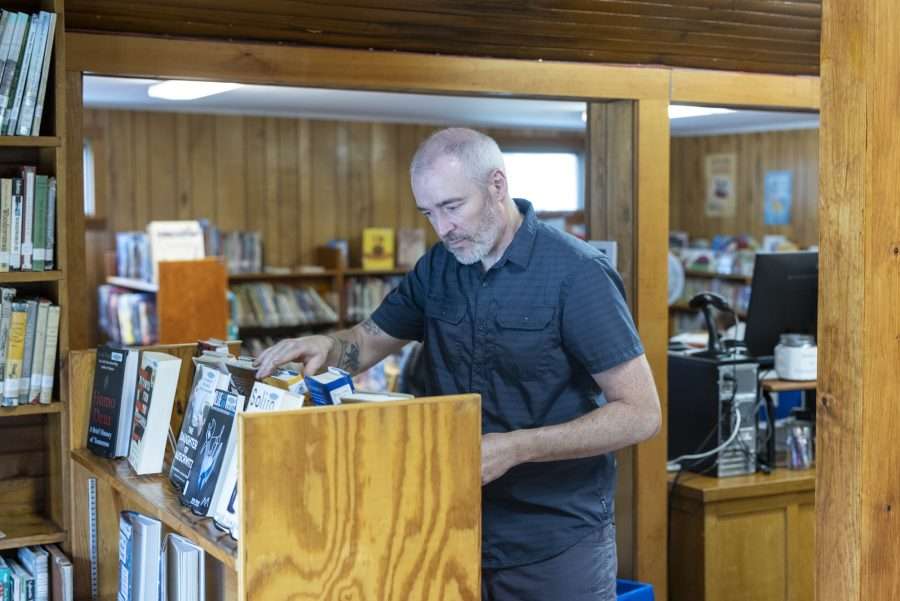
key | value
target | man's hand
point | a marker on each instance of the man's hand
(312, 351)
(499, 454)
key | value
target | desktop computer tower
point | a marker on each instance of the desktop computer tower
(704, 395)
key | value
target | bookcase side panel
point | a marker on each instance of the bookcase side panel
(367, 502)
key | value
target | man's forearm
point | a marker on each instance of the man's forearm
(360, 347)
(609, 428)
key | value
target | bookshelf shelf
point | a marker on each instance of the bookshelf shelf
(27, 530)
(732, 277)
(26, 277)
(30, 410)
(294, 275)
(256, 331)
(132, 284)
(30, 142)
(155, 497)
(358, 271)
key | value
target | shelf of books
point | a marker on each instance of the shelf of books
(287, 471)
(34, 331)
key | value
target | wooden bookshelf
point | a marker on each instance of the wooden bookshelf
(342, 501)
(29, 529)
(21, 410)
(34, 479)
(264, 276)
(29, 277)
(30, 141)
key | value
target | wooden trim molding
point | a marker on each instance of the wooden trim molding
(730, 88)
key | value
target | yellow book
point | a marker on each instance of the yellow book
(378, 248)
(15, 354)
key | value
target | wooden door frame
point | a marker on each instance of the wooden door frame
(651, 89)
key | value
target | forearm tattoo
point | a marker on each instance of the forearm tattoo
(372, 328)
(348, 355)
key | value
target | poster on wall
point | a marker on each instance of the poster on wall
(720, 185)
(779, 195)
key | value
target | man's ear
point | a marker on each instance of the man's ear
(497, 185)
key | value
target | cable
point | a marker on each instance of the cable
(734, 433)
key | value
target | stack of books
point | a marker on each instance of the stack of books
(26, 45)
(29, 331)
(127, 317)
(243, 251)
(152, 568)
(133, 258)
(267, 305)
(27, 219)
(36, 573)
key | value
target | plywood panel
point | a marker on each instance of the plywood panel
(756, 153)
(749, 539)
(386, 502)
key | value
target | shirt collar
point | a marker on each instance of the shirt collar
(519, 250)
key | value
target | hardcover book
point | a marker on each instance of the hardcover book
(112, 401)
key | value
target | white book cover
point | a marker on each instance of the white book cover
(26, 115)
(7, 23)
(224, 505)
(174, 241)
(19, 92)
(154, 398)
(6, 299)
(12, 56)
(15, 225)
(28, 175)
(49, 369)
(51, 225)
(5, 208)
(183, 575)
(146, 541)
(37, 356)
(45, 72)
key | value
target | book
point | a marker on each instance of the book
(28, 351)
(174, 241)
(329, 387)
(208, 377)
(50, 245)
(37, 361)
(183, 573)
(48, 372)
(217, 439)
(16, 216)
(11, 54)
(28, 177)
(15, 351)
(17, 87)
(62, 575)
(410, 246)
(5, 208)
(139, 553)
(23, 582)
(374, 397)
(39, 230)
(6, 299)
(50, 38)
(36, 560)
(6, 576)
(378, 248)
(154, 399)
(29, 100)
(223, 507)
(112, 401)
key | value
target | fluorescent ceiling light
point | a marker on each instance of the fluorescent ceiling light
(188, 90)
(679, 111)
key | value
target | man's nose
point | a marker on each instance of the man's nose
(442, 226)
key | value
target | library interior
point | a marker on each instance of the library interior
(448, 301)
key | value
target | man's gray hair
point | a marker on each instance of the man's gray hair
(478, 154)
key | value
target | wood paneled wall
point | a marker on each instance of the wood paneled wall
(796, 151)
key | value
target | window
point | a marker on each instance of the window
(90, 206)
(552, 181)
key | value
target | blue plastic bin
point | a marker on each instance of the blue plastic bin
(629, 590)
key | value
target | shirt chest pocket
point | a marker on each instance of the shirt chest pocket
(445, 329)
(525, 341)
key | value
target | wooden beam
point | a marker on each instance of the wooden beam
(354, 69)
(858, 474)
(730, 88)
(652, 316)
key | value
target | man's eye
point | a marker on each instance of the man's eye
(452, 208)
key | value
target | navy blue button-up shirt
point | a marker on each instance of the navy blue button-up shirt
(527, 335)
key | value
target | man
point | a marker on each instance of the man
(536, 322)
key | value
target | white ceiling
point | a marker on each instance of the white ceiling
(351, 105)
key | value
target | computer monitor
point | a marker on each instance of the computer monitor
(783, 299)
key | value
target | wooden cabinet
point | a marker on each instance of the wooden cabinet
(749, 538)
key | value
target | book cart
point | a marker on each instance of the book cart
(356, 502)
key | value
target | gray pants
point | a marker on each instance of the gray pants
(584, 572)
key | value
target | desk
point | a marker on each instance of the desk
(787, 385)
(747, 538)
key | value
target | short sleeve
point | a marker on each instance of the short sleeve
(597, 327)
(402, 312)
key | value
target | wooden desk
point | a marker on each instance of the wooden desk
(748, 538)
(787, 385)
